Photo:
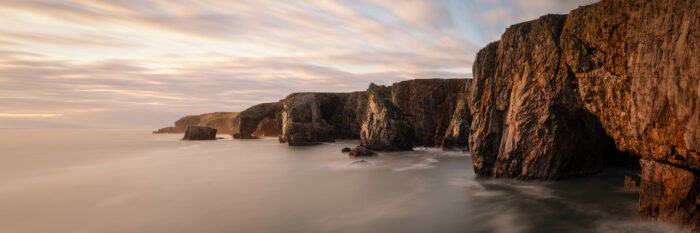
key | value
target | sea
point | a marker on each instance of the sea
(129, 180)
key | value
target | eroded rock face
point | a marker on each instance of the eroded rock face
(457, 133)
(385, 127)
(428, 104)
(637, 67)
(528, 121)
(247, 122)
(311, 118)
(670, 194)
(267, 127)
(199, 133)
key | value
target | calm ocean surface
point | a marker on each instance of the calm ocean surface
(134, 181)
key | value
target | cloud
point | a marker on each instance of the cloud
(113, 63)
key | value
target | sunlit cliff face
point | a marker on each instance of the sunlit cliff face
(128, 63)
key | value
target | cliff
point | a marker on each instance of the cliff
(221, 121)
(385, 127)
(311, 118)
(551, 90)
(528, 121)
(637, 68)
(428, 105)
(457, 133)
(256, 120)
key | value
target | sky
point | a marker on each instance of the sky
(144, 64)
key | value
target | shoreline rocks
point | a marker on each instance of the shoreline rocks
(360, 151)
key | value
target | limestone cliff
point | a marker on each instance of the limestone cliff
(428, 104)
(311, 118)
(528, 121)
(637, 68)
(248, 122)
(385, 127)
(630, 64)
(457, 133)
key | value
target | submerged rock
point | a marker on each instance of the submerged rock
(248, 121)
(361, 163)
(360, 151)
(385, 127)
(199, 133)
(311, 118)
(345, 150)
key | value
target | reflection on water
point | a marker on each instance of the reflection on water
(133, 181)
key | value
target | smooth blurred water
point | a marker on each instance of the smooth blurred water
(133, 181)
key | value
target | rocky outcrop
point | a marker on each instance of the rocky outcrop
(428, 105)
(360, 151)
(385, 127)
(221, 121)
(199, 133)
(457, 133)
(311, 118)
(528, 121)
(631, 64)
(248, 121)
(670, 194)
(636, 63)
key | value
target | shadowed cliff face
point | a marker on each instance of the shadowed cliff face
(385, 127)
(428, 104)
(545, 91)
(311, 118)
(248, 121)
(528, 120)
(457, 133)
(637, 66)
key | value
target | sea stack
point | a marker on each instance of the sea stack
(199, 133)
